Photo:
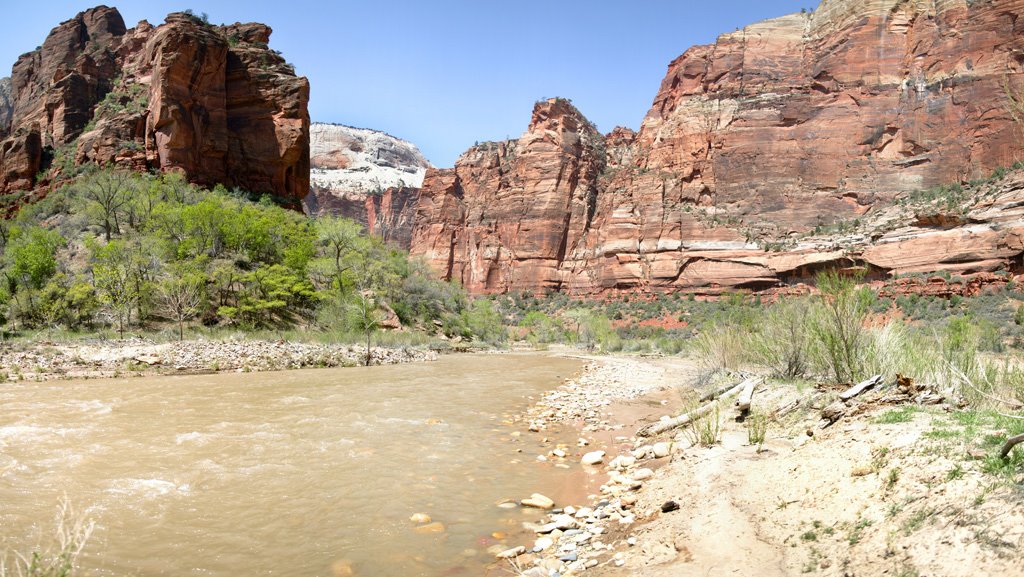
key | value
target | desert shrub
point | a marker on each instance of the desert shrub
(839, 328)
(784, 342)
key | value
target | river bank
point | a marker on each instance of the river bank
(892, 488)
(43, 360)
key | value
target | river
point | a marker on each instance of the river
(299, 473)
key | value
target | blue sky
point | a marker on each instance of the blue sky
(447, 73)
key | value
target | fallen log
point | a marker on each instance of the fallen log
(715, 393)
(860, 388)
(747, 394)
(668, 424)
(1009, 445)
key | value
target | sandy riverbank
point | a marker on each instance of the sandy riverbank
(140, 357)
(890, 489)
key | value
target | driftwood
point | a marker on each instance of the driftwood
(715, 393)
(860, 388)
(668, 424)
(1010, 444)
(747, 394)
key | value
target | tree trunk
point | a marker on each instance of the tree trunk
(181, 329)
(860, 388)
(747, 394)
(662, 426)
(368, 348)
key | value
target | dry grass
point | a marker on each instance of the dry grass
(57, 558)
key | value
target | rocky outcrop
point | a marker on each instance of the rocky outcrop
(6, 106)
(366, 175)
(506, 217)
(213, 102)
(780, 128)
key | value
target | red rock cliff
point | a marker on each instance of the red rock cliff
(509, 212)
(212, 101)
(775, 129)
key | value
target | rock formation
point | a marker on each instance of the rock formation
(6, 106)
(365, 175)
(784, 127)
(211, 101)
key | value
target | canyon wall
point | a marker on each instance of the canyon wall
(778, 130)
(214, 102)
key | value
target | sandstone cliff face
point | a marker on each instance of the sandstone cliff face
(509, 213)
(365, 175)
(211, 101)
(752, 142)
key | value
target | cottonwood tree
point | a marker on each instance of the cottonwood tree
(106, 194)
(180, 298)
(113, 272)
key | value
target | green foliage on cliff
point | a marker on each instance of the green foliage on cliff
(133, 251)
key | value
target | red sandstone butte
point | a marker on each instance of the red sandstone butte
(213, 102)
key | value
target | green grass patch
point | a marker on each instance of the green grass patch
(900, 415)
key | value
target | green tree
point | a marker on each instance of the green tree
(30, 260)
(114, 274)
(106, 193)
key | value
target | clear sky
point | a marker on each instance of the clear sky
(446, 73)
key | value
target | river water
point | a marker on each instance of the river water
(302, 473)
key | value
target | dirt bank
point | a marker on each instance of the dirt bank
(891, 489)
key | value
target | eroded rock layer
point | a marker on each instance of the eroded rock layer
(211, 101)
(752, 143)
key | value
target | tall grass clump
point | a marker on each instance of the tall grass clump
(783, 342)
(721, 347)
(704, 431)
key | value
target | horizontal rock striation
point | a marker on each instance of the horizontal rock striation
(213, 102)
(752, 143)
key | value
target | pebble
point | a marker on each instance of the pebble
(542, 543)
(643, 474)
(538, 501)
(593, 458)
(662, 450)
(420, 518)
(558, 453)
(434, 527)
(623, 462)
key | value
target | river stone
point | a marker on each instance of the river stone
(623, 462)
(434, 527)
(558, 453)
(538, 501)
(542, 543)
(662, 450)
(510, 553)
(420, 518)
(643, 474)
(593, 458)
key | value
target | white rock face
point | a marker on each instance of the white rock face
(5, 103)
(344, 159)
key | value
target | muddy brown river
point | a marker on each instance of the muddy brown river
(288, 473)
